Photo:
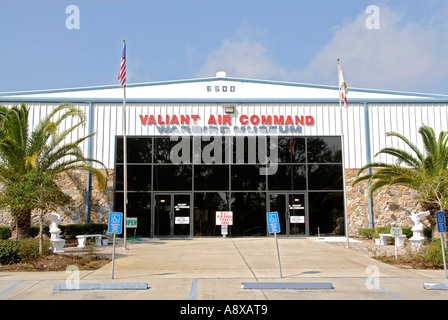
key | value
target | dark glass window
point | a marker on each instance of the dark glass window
(139, 177)
(247, 177)
(324, 149)
(311, 165)
(181, 146)
(205, 206)
(325, 177)
(139, 150)
(172, 177)
(290, 149)
(211, 177)
(288, 177)
(249, 214)
(326, 212)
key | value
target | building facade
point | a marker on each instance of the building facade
(201, 146)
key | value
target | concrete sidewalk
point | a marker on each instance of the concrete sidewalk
(214, 268)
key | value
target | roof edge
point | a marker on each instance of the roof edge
(246, 80)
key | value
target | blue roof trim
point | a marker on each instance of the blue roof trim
(269, 82)
(220, 100)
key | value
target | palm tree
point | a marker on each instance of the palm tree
(44, 150)
(413, 169)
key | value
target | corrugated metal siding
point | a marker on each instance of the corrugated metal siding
(354, 135)
(405, 118)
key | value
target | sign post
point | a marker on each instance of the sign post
(115, 226)
(441, 227)
(274, 227)
(132, 223)
(224, 219)
(396, 232)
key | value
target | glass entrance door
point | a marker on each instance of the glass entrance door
(291, 208)
(172, 215)
(296, 210)
(181, 214)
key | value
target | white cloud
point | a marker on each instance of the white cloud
(401, 55)
(241, 58)
(397, 56)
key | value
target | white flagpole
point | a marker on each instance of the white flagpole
(343, 162)
(125, 165)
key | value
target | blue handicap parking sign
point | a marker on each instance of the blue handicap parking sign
(115, 222)
(441, 226)
(273, 222)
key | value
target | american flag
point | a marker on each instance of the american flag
(122, 74)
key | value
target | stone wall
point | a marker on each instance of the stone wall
(391, 208)
(101, 202)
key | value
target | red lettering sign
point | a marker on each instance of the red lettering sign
(224, 218)
(227, 119)
(243, 119)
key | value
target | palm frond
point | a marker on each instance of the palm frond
(401, 156)
(46, 148)
(411, 145)
(419, 168)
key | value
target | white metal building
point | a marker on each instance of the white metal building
(230, 107)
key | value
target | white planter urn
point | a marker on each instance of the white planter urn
(57, 243)
(418, 238)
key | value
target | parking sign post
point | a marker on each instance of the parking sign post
(115, 226)
(441, 227)
(274, 227)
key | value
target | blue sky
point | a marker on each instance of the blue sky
(285, 40)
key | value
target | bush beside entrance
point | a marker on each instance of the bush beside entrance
(370, 233)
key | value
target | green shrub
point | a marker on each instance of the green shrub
(16, 251)
(30, 248)
(34, 231)
(407, 231)
(5, 232)
(70, 231)
(427, 232)
(383, 230)
(366, 232)
(10, 252)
